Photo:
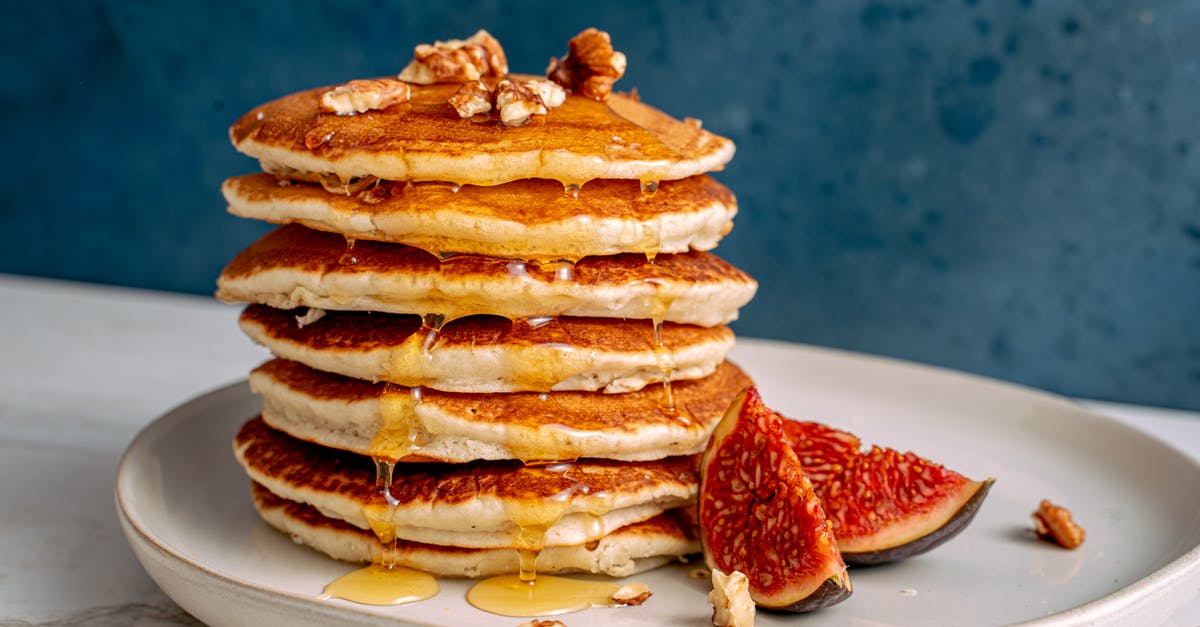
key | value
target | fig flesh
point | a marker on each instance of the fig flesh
(884, 505)
(759, 514)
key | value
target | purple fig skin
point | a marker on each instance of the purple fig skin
(832, 592)
(929, 541)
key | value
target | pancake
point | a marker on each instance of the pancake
(627, 550)
(489, 353)
(293, 266)
(426, 140)
(468, 505)
(349, 414)
(527, 219)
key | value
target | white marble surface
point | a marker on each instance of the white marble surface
(82, 369)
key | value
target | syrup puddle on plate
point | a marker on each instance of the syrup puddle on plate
(547, 595)
(378, 584)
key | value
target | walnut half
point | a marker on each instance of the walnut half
(517, 103)
(590, 67)
(456, 61)
(363, 95)
(472, 99)
(1054, 523)
(730, 598)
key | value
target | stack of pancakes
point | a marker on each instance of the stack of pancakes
(486, 337)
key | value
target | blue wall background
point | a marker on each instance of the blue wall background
(1009, 188)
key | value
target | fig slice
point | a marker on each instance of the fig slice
(884, 505)
(759, 514)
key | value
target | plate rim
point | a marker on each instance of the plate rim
(132, 524)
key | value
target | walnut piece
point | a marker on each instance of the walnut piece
(515, 102)
(456, 61)
(472, 99)
(590, 67)
(634, 593)
(730, 598)
(361, 96)
(551, 93)
(1054, 523)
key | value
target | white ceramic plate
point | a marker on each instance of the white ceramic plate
(184, 506)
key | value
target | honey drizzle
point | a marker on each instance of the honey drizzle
(380, 585)
(384, 525)
(542, 366)
(432, 325)
(348, 258)
(413, 359)
(508, 595)
(564, 269)
(517, 270)
(665, 358)
(385, 582)
(533, 521)
(399, 429)
(666, 363)
(527, 593)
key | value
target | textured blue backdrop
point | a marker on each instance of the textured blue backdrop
(1009, 188)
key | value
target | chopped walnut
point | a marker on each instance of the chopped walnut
(542, 623)
(551, 93)
(590, 67)
(472, 99)
(730, 598)
(517, 103)
(363, 95)
(632, 594)
(456, 61)
(1054, 523)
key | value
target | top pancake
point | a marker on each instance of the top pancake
(426, 140)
